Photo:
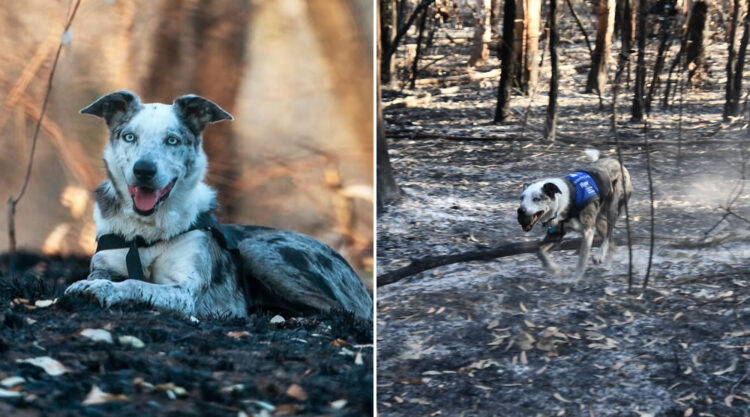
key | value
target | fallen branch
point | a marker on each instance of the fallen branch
(518, 248)
(429, 262)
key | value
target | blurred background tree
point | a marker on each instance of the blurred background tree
(296, 74)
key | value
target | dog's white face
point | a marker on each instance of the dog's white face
(155, 149)
(538, 202)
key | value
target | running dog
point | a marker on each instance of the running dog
(158, 242)
(585, 201)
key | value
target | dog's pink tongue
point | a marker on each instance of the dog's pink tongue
(145, 199)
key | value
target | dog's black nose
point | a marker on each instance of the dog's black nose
(144, 170)
(521, 211)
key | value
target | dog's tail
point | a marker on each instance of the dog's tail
(592, 155)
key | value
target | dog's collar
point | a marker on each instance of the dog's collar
(205, 221)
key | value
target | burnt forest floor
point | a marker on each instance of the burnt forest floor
(181, 367)
(502, 338)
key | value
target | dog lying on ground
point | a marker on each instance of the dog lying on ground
(585, 201)
(158, 242)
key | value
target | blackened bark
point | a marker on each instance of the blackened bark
(508, 57)
(387, 189)
(388, 27)
(695, 58)
(550, 126)
(729, 96)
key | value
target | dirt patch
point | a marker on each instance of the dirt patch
(210, 367)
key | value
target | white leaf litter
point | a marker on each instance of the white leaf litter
(45, 303)
(338, 404)
(50, 366)
(97, 335)
(97, 396)
(278, 320)
(131, 341)
(12, 381)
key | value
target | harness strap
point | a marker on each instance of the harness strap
(205, 220)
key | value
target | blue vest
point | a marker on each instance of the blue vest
(586, 187)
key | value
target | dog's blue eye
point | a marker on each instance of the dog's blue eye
(129, 137)
(537, 199)
(172, 141)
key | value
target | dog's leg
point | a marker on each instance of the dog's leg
(178, 283)
(585, 251)
(549, 265)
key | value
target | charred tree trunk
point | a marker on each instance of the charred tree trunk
(508, 58)
(387, 189)
(729, 96)
(550, 127)
(690, 57)
(580, 26)
(600, 58)
(388, 25)
(665, 38)
(482, 35)
(420, 36)
(640, 69)
(213, 34)
(694, 35)
(733, 107)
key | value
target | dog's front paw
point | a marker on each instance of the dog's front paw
(597, 259)
(101, 289)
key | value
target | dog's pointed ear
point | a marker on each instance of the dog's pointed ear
(197, 112)
(550, 189)
(525, 186)
(112, 107)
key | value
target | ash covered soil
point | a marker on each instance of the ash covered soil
(503, 338)
(211, 367)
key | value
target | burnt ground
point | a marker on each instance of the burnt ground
(501, 337)
(214, 367)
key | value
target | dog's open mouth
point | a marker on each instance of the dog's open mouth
(530, 225)
(145, 199)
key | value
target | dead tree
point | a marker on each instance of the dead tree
(508, 57)
(600, 58)
(665, 38)
(733, 97)
(387, 189)
(729, 88)
(550, 127)
(691, 56)
(482, 35)
(694, 35)
(390, 39)
(388, 25)
(526, 37)
(418, 54)
(640, 68)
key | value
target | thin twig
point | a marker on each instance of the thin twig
(622, 60)
(651, 199)
(13, 201)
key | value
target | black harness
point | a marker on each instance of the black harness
(205, 221)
